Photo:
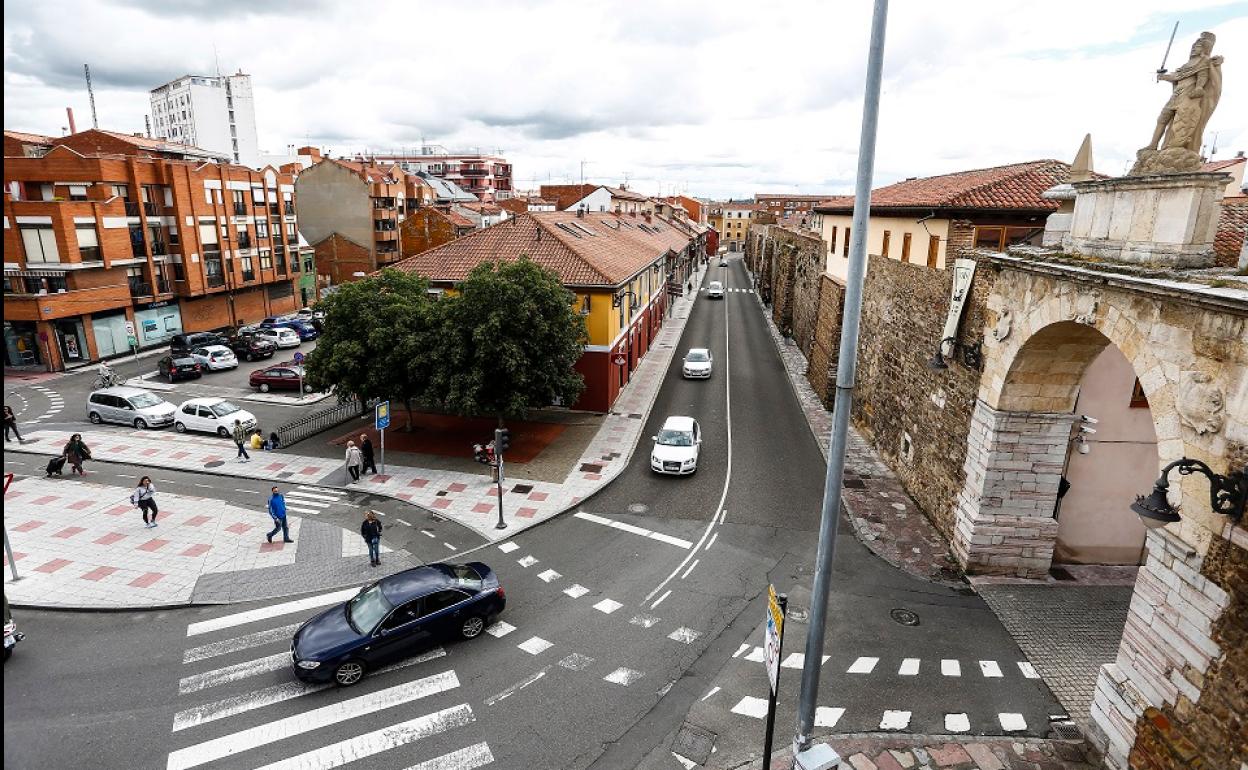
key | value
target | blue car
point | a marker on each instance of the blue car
(396, 617)
(305, 330)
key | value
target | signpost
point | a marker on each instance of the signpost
(8, 549)
(773, 645)
(381, 421)
(498, 454)
(298, 359)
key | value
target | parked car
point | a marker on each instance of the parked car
(174, 368)
(676, 446)
(12, 636)
(215, 358)
(281, 336)
(250, 347)
(394, 618)
(129, 406)
(305, 330)
(279, 377)
(212, 415)
(715, 290)
(697, 363)
(183, 344)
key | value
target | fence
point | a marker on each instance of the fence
(298, 430)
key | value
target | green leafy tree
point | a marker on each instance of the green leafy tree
(379, 339)
(510, 338)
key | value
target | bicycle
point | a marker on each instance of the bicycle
(106, 378)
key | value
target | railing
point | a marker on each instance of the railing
(249, 275)
(273, 210)
(163, 286)
(140, 288)
(474, 172)
(153, 209)
(132, 209)
(216, 280)
(138, 249)
(301, 428)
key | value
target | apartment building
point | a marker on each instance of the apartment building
(489, 177)
(113, 242)
(215, 112)
(782, 204)
(736, 218)
(596, 197)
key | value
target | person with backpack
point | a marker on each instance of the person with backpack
(144, 498)
(370, 530)
(240, 438)
(277, 510)
(77, 453)
(366, 452)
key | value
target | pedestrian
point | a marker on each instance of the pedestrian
(257, 442)
(370, 530)
(354, 458)
(275, 442)
(366, 451)
(240, 438)
(277, 510)
(144, 498)
(77, 453)
(10, 424)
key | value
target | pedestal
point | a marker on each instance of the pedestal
(1168, 220)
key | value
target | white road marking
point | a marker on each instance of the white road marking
(333, 495)
(798, 659)
(740, 650)
(377, 741)
(712, 691)
(723, 516)
(691, 566)
(676, 541)
(607, 606)
(714, 537)
(527, 561)
(427, 533)
(756, 655)
(644, 620)
(272, 611)
(404, 523)
(957, 723)
(827, 717)
(468, 758)
(197, 682)
(990, 668)
(659, 600)
(226, 646)
(950, 667)
(297, 509)
(517, 687)
(684, 635)
(909, 667)
(448, 545)
(535, 645)
(312, 496)
(1012, 723)
(685, 762)
(1028, 670)
(309, 721)
(498, 629)
(549, 576)
(508, 547)
(751, 707)
(863, 666)
(632, 529)
(895, 720)
(576, 662)
(623, 676)
(576, 590)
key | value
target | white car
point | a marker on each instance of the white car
(212, 415)
(676, 447)
(215, 357)
(697, 363)
(281, 336)
(723, 262)
(715, 290)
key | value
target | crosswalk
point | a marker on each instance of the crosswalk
(312, 500)
(730, 291)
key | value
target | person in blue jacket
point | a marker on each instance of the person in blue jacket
(277, 509)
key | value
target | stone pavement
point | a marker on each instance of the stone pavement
(935, 752)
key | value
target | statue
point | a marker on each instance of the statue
(1175, 147)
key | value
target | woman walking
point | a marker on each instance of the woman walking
(354, 458)
(370, 530)
(144, 498)
(10, 424)
(77, 453)
(366, 451)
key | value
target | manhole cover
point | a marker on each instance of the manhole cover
(904, 617)
(694, 743)
(214, 464)
(638, 508)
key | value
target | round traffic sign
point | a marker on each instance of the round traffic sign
(298, 358)
(619, 359)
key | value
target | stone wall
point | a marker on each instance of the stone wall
(825, 349)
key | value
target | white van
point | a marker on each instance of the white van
(130, 406)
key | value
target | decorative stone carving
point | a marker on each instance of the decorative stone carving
(1175, 147)
(1085, 309)
(1200, 403)
(1004, 326)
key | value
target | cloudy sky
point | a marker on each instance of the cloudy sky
(716, 98)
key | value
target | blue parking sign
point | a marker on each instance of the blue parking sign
(381, 415)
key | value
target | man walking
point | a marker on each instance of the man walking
(277, 509)
(366, 452)
(240, 438)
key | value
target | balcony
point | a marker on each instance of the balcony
(386, 235)
(163, 286)
(244, 241)
(139, 288)
(474, 172)
(90, 253)
(384, 204)
(290, 208)
(240, 209)
(153, 209)
(138, 249)
(274, 211)
(249, 275)
(132, 208)
(216, 280)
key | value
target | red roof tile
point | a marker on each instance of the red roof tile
(1232, 227)
(1222, 165)
(564, 195)
(1014, 187)
(459, 220)
(514, 205)
(23, 136)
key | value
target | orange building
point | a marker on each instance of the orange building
(428, 228)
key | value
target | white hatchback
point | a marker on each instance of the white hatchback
(215, 357)
(212, 415)
(281, 336)
(697, 363)
(715, 290)
(676, 447)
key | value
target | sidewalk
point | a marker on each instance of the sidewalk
(933, 752)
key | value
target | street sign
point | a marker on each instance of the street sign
(771, 639)
(381, 415)
(298, 357)
(130, 328)
(619, 359)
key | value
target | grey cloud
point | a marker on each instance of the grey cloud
(547, 125)
(217, 10)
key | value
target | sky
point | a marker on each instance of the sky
(712, 99)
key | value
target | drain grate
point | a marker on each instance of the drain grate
(854, 484)
(214, 464)
(523, 489)
(905, 617)
(694, 743)
(1065, 731)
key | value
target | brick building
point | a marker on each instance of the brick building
(107, 229)
(781, 204)
(361, 202)
(488, 177)
(429, 227)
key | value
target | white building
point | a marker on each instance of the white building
(215, 112)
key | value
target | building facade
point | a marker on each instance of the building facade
(736, 218)
(780, 204)
(489, 177)
(216, 112)
(361, 202)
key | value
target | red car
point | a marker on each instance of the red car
(286, 376)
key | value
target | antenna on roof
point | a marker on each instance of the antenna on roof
(86, 70)
(216, 60)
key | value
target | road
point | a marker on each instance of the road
(630, 624)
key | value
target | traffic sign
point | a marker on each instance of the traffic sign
(771, 639)
(381, 415)
(130, 328)
(619, 359)
(298, 357)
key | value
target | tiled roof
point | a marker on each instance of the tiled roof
(1232, 227)
(564, 195)
(626, 195)
(140, 142)
(1222, 165)
(514, 205)
(459, 220)
(1014, 187)
(486, 209)
(615, 251)
(22, 136)
(388, 174)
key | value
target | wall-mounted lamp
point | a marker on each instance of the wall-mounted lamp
(1227, 494)
(618, 299)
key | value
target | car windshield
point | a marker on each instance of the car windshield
(367, 609)
(697, 356)
(223, 408)
(716, 285)
(144, 400)
(675, 437)
(463, 575)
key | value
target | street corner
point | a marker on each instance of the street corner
(85, 546)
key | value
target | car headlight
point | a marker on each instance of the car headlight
(308, 663)
(689, 462)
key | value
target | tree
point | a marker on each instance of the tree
(510, 339)
(379, 339)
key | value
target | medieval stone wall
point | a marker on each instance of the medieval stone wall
(825, 349)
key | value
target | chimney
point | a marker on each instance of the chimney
(580, 211)
(646, 214)
(70, 112)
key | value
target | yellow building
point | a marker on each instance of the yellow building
(736, 223)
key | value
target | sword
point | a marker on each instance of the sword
(1162, 71)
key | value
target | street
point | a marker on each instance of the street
(635, 615)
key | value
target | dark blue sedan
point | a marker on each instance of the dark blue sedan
(396, 617)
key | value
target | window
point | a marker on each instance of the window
(77, 192)
(262, 229)
(405, 614)
(933, 250)
(585, 304)
(847, 239)
(884, 247)
(307, 262)
(266, 259)
(441, 600)
(40, 243)
(88, 243)
(905, 247)
(989, 237)
(208, 235)
(832, 242)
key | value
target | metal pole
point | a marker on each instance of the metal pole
(845, 376)
(383, 451)
(8, 549)
(498, 462)
(771, 701)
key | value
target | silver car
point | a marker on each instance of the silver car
(130, 406)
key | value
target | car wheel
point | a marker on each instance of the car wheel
(94, 417)
(264, 387)
(348, 673)
(223, 433)
(472, 627)
(140, 423)
(179, 427)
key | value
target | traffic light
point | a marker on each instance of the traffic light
(502, 437)
(478, 454)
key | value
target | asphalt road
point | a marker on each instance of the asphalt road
(624, 623)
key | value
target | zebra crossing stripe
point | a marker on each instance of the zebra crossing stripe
(368, 744)
(863, 666)
(271, 611)
(309, 721)
(313, 496)
(227, 646)
(1028, 670)
(990, 668)
(297, 509)
(474, 756)
(950, 667)
(197, 682)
